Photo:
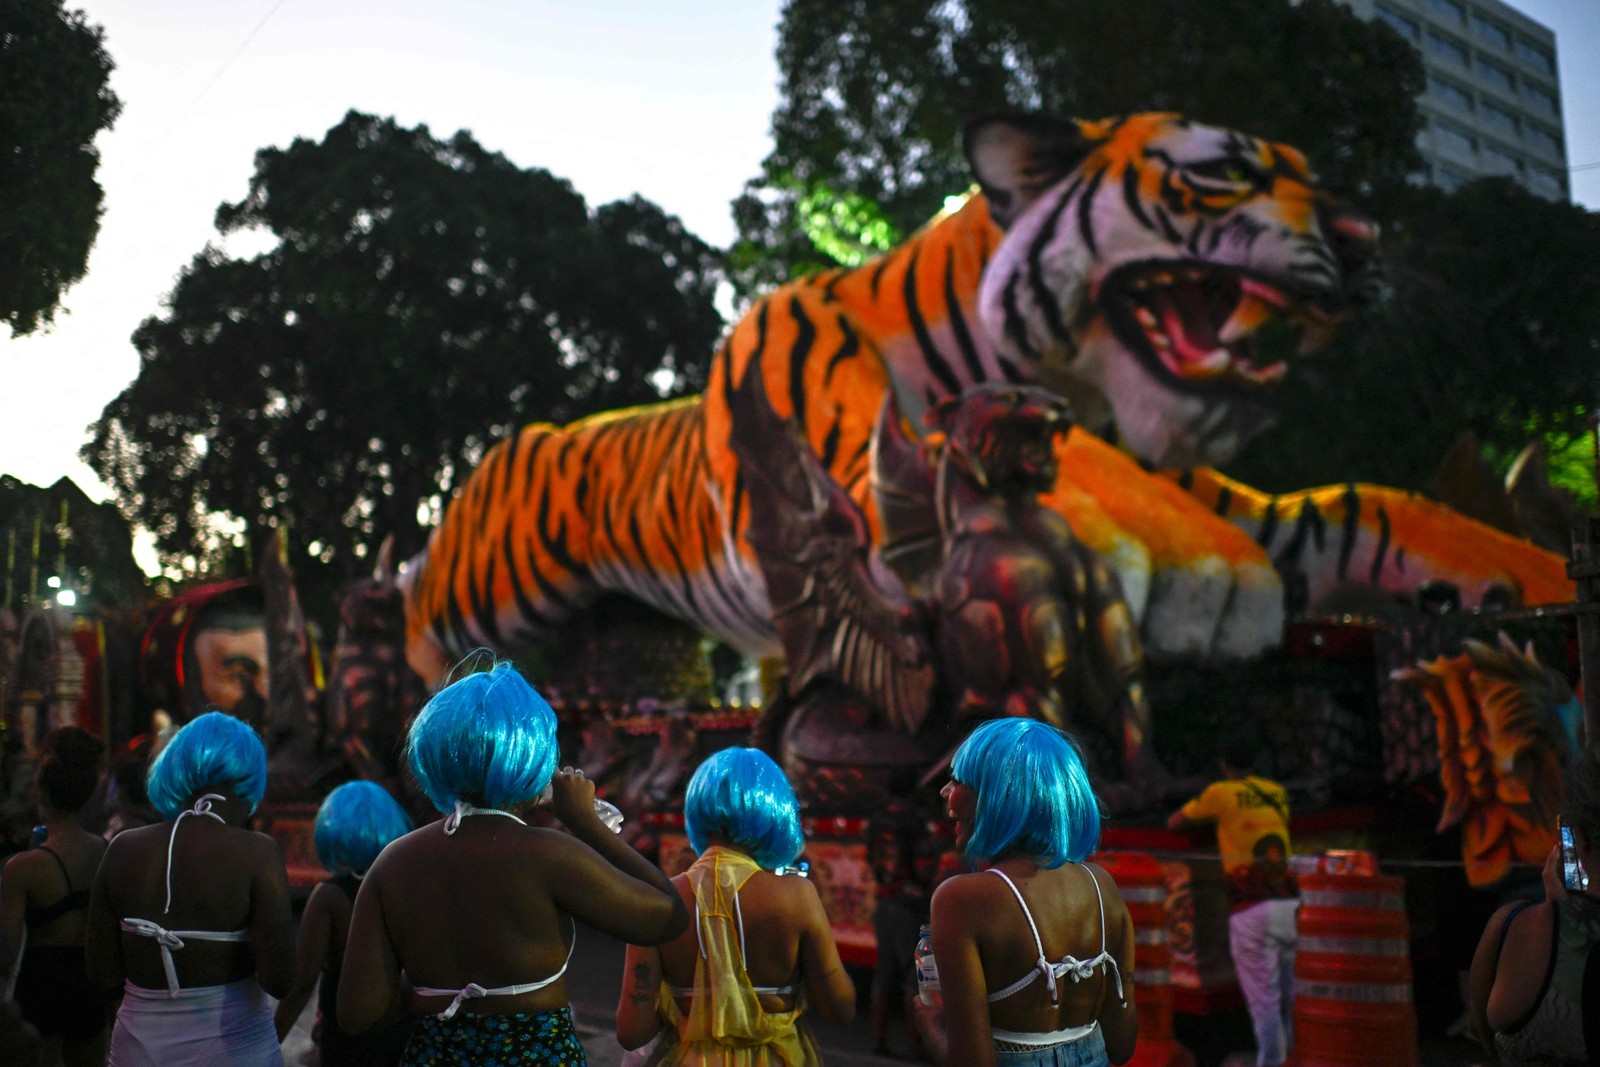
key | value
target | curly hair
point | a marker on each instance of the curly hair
(69, 769)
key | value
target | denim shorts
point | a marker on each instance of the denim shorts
(1088, 1051)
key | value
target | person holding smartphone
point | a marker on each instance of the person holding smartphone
(1535, 981)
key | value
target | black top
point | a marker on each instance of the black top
(75, 900)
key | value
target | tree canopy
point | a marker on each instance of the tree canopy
(424, 298)
(54, 99)
(873, 98)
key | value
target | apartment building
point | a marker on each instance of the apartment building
(1492, 105)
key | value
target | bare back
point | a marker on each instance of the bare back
(223, 878)
(983, 944)
(778, 921)
(476, 906)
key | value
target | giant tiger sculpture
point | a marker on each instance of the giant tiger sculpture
(1126, 264)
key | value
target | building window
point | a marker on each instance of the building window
(1447, 47)
(1449, 135)
(1448, 9)
(1541, 98)
(1543, 139)
(1491, 31)
(1405, 27)
(1536, 55)
(1500, 160)
(1490, 71)
(1496, 115)
(1545, 181)
(1449, 92)
(1448, 178)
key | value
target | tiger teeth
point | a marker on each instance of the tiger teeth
(1274, 373)
(1146, 317)
(1212, 363)
(1263, 291)
(1250, 313)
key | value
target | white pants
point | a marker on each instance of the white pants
(1262, 939)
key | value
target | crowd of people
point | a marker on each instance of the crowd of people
(175, 943)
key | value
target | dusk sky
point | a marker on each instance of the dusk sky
(667, 99)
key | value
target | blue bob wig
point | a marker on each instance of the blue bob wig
(213, 753)
(488, 740)
(1032, 793)
(354, 824)
(742, 797)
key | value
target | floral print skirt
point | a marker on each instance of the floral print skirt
(541, 1039)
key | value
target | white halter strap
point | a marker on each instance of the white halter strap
(452, 822)
(201, 807)
(1069, 966)
(168, 940)
(472, 990)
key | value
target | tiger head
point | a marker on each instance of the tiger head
(1003, 436)
(1141, 257)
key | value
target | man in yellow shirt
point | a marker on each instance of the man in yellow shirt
(1251, 814)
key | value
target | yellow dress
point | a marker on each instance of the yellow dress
(726, 1025)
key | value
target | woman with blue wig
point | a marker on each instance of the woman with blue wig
(480, 911)
(731, 992)
(353, 825)
(1034, 950)
(191, 915)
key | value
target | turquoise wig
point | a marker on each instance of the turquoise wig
(488, 740)
(354, 824)
(214, 753)
(1032, 792)
(741, 796)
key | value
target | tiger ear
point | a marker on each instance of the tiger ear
(1017, 155)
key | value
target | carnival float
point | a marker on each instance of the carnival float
(969, 478)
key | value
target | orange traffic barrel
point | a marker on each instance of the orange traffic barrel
(1352, 973)
(1143, 885)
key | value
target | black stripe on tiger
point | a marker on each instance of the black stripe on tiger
(848, 348)
(1043, 295)
(805, 335)
(1016, 326)
(1224, 500)
(1085, 208)
(958, 320)
(919, 327)
(1383, 543)
(1269, 524)
(1351, 527)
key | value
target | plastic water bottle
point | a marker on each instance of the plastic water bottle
(927, 970)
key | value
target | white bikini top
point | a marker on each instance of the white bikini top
(472, 990)
(738, 914)
(1070, 966)
(168, 940)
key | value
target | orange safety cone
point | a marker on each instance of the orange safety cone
(1144, 887)
(1352, 972)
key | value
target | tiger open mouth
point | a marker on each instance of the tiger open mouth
(1201, 322)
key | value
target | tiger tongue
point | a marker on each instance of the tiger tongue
(1186, 320)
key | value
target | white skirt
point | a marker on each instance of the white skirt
(201, 1027)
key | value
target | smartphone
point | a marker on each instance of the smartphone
(1573, 876)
